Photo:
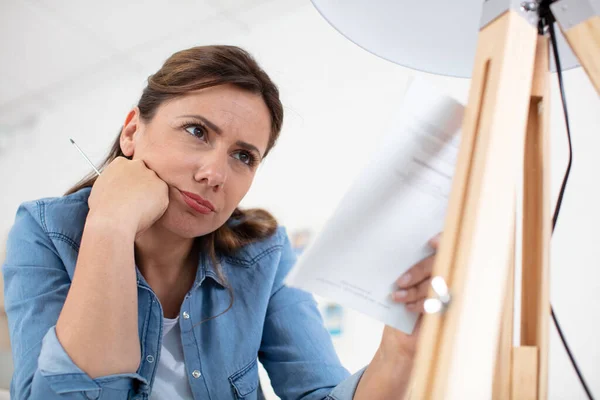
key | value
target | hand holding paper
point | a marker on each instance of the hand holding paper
(382, 226)
(413, 285)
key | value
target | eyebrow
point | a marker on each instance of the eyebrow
(219, 131)
(207, 122)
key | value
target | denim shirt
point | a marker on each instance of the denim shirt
(269, 322)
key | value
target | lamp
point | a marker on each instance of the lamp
(434, 36)
(466, 350)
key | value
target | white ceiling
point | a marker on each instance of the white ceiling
(50, 47)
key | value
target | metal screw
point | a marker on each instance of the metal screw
(529, 6)
(442, 298)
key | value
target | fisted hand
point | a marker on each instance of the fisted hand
(129, 194)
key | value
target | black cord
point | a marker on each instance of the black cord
(550, 23)
(566, 114)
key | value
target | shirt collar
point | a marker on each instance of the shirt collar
(206, 269)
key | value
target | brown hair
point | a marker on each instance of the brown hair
(199, 68)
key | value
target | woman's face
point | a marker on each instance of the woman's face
(206, 146)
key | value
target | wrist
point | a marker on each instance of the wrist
(110, 225)
(386, 377)
(393, 363)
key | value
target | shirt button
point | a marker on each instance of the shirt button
(196, 374)
(186, 315)
(150, 358)
(92, 394)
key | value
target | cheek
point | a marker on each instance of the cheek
(147, 148)
(238, 190)
(162, 140)
(168, 159)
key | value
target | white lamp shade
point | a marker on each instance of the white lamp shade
(435, 36)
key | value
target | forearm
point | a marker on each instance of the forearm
(98, 325)
(385, 378)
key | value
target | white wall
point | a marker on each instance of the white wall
(338, 100)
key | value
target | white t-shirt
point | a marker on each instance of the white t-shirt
(171, 380)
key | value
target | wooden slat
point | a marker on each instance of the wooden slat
(584, 39)
(460, 346)
(535, 287)
(503, 368)
(524, 376)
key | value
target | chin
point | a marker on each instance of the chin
(187, 225)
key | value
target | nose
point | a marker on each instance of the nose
(212, 170)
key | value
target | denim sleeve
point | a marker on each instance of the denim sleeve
(35, 286)
(296, 349)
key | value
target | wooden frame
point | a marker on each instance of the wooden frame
(584, 39)
(467, 351)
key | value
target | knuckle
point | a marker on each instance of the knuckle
(429, 265)
(424, 288)
(420, 269)
(411, 294)
(415, 305)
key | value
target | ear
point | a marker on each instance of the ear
(130, 128)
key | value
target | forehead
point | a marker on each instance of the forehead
(236, 111)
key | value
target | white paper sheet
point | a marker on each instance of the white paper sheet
(397, 203)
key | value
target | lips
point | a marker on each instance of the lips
(198, 203)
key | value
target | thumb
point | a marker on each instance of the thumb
(418, 325)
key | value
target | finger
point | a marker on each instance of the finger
(418, 325)
(418, 273)
(416, 306)
(413, 293)
(434, 242)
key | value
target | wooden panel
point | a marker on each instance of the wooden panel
(537, 220)
(524, 376)
(503, 368)
(584, 39)
(456, 353)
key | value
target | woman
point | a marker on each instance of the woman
(149, 282)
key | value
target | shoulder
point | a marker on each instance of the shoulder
(271, 247)
(267, 260)
(55, 216)
(47, 232)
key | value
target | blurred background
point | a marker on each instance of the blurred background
(75, 68)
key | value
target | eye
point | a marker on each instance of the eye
(196, 130)
(246, 158)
